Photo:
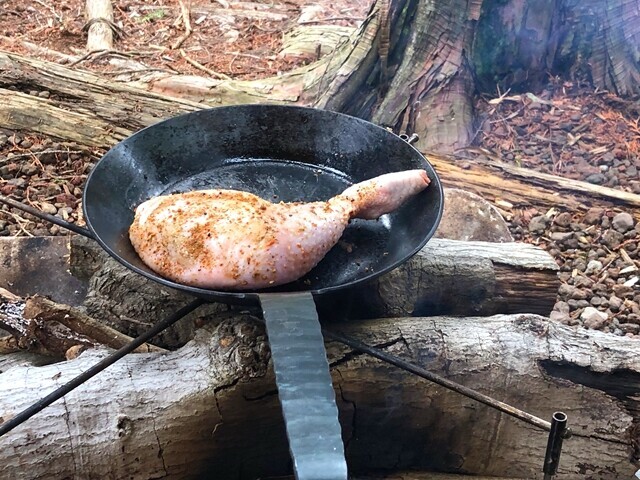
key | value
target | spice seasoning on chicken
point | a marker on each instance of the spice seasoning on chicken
(227, 239)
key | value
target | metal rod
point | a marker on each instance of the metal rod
(554, 445)
(456, 387)
(97, 368)
(45, 216)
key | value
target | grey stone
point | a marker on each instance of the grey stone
(593, 318)
(48, 208)
(633, 328)
(561, 307)
(596, 301)
(612, 239)
(469, 217)
(594, 266)
(559, 236)
(596, 178)
(615, 303)
(576, 304)
(563, 219)
(561, 317)
(633, 318)
(18, 182)
(29, 169)
(623, 222)
(581, 282)
(538, 224)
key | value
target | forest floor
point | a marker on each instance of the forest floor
(569, 129)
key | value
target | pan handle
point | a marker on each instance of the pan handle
(304, 386)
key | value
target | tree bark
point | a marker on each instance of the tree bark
(211, 406)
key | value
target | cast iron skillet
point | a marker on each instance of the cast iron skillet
(280, 153)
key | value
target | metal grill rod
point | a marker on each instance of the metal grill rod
(45, 216)
(456, 387)
(97, 368)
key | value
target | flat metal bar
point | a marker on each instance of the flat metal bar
(304, 386)
(421, 372)
(45, 216)
(97, 368)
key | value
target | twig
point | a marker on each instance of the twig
(187, 26)
(19, 221)
(140, 70)
(331, 19)
(35, 154)
(199, 66)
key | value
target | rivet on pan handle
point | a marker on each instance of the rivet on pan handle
(413, 138)
(304, 386)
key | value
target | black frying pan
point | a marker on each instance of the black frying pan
(281, 154)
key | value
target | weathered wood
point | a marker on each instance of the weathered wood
(52, 339)
(99, 17)
(211, 406)
(495, 180)
(449, 277)
(446, 277)
(44, 310)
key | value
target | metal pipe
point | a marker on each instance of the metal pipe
(45, 216)
(554, 445)
(97, 368)
(456, 387)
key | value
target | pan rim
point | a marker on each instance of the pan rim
(231, 295)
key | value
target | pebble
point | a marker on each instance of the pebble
(563, 219)
(596, 178)
(593, 318)
(559, 236)
(593, 216)
(623, 222)
(612, 239)
(48, 208)
(632, 328)
(538, 224)
(615, 303)
(562, 317)
(594, 266)
(561, 307)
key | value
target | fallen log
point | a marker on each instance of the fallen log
(211, 405)
(446, 277)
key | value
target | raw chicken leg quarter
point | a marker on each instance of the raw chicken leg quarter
(227, 239)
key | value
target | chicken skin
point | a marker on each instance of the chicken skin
(228, 239)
